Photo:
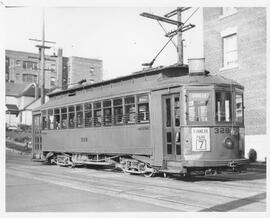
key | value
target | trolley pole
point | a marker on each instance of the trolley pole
(180, 28)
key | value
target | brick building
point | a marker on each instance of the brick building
(23, 67)
(235, 47)
(22, 72)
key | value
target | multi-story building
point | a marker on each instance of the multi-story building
(235, 47)
(23, 67)
(23, 74)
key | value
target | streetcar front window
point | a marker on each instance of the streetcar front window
(198, 106)
(223, 107)
(239, 113)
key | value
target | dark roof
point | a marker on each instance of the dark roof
(15, 89)
(18, 89)
(12, 108)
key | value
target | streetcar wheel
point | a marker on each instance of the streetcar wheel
(148, 174)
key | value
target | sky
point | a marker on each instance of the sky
(119, 36)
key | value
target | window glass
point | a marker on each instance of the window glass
(50, 119)
(29, 65)
(230, 51)
(79, 116)
(130, 112)
(63, 118)
(71, 117)
(223, 107)
(177, 111)
(107, 113)
(29, 78)
(168, 112)
(239, 108)
(88, 114)
(143, 108)
(198, 106)
(56, 118)
(118, 111)
(97, 114)
(44, 120)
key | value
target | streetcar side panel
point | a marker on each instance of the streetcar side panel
(133, 139)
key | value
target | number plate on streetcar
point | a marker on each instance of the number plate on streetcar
(200, 139)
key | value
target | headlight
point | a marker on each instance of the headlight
(228, 143)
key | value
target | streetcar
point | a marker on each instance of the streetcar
(176, 119)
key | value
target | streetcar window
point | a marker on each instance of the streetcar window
(50, 119)
(223, 107)
(239, 108)
(79, 115)
(198, 106)
(130, 109)
(168, 112)
(63, 118)
(97, 114)
(177, 111)
(44, 119)
(88, 114)
(107, 113)
(143, 108)
(118, 111)
(71, 117)
(56, 118)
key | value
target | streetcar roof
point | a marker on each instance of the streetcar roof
(170, 74)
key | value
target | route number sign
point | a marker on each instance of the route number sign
(200, 139)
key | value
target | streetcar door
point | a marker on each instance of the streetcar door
(37, 138)
(171, 127)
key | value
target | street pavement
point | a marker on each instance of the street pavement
(34, 186)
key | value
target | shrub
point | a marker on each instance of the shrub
(24, 127)
(252, 155)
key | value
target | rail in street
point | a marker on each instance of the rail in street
(226, 192)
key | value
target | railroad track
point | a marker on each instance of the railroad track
(211, 194)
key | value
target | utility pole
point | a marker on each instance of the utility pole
(181, 27)
(179, 38)
(42, 48)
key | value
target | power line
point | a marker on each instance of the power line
(191, 15)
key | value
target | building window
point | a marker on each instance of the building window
(92, 70)
(7, 68)
(53, 68)
(17, 63)
(29, 78)
(29, 65)
(226, 11)
(230, 51)
(53, 81)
